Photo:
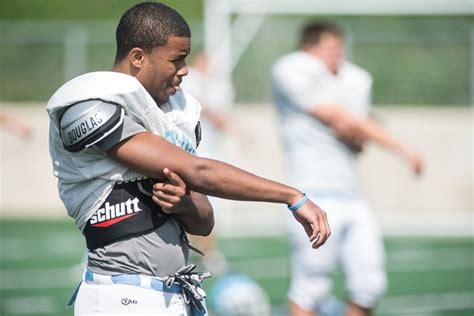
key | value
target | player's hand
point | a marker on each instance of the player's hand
(415, 162)
(171, 193)
(315, 223)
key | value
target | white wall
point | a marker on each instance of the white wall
(443, 194)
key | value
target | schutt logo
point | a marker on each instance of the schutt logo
(111, 214)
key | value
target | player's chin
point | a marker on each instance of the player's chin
(163, 97)
(168, 93)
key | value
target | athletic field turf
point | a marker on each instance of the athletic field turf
(41, 263)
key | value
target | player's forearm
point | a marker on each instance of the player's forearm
(198, 217)
(346, 124)
(374, 132)
(220, 179)
(371, 130)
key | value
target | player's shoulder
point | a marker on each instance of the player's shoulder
(356, 71)
(298, 61)
(297, 58)
(110, 80)
(93, 85)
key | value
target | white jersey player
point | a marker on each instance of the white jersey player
(323, 104)
(110, 202)
(122, 142)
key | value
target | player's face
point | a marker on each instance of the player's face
(166, 67)
(330, 50)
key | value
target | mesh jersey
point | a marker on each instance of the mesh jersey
(86, 178)
(315, 159)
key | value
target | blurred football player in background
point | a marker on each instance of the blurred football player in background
(323, 103)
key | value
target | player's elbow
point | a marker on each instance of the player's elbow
(207, 219)
(202, 176)
(203, 228)
(206, 230)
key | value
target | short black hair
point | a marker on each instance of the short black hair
(148, 25)
(311, 32)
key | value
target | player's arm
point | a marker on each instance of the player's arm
(149, 154)
(351, 128)
(191, 209)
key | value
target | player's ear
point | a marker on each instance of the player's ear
(137, 57)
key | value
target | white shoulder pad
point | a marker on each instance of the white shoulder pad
(86, 123)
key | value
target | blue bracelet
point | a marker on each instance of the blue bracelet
(298, 204)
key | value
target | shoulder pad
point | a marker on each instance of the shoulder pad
(84, 124)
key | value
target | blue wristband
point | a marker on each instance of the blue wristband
(298, 204)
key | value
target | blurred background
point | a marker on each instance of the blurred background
(421, 55)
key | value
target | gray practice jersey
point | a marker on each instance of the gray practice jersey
(159, 252)
(87, 176)
(316, 161)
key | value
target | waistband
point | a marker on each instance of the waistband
(144, 281)
(183, 281)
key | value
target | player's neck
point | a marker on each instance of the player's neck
(121, 67)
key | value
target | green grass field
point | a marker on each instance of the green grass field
(41, 263)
